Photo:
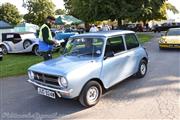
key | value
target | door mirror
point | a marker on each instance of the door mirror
(108, 54)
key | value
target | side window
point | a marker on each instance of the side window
(131, 41)
(116, 44)
(9, 37)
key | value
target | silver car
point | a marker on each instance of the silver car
(91, 63)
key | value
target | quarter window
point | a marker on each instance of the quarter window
(131, 41)
(116, 44)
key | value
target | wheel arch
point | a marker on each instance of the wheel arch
(97, 80)
(145, 59)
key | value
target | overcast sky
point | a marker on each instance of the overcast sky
(18, 4)
(60, 4)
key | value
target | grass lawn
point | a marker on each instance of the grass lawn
(144, 37)
(17, 64)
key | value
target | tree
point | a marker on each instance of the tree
(38, 10)
(133, 10)
(60, 12)
(150, 10)
(10, 14)
(89, 10)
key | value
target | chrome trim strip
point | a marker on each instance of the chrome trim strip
(49, 88)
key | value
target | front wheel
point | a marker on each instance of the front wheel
(90, 94)
(142, 69)
(36, 50)
(26, 44)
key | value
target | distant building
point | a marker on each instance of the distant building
(26, 27)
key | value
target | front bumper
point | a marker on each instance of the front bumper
(162, 45)
(59, 92)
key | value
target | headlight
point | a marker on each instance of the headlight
(62, 82)
(31, 74)
(162, 41)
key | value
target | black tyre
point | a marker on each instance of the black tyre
(26, 44)
(36, 50)
(160, 48)
(90, 94)
(4, 49)
(142, 69)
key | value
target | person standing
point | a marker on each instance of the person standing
(105, 27)
(93, 28)
(46, 41)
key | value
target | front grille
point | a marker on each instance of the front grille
(47, 79)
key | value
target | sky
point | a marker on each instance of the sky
(18, 4)
(60, 4)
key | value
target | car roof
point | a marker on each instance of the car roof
(104, 34)
(21, 33)
(174, 29)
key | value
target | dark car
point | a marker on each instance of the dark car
(165, 27)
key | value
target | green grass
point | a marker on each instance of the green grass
(144, 37)
(17, 64)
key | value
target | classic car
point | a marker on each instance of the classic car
(63, 36)
(1, 54)
(19, 43)
(171, 39)
(91, 63)
(22, 43)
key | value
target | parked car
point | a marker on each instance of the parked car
(171, 39)
(91, 63)
(63, 36)
(19, 43)
(165, 27)
(22, 43)
(1, 54)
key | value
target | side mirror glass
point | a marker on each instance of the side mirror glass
(108, 54)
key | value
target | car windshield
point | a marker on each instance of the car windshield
(89, 47)
(173, 32)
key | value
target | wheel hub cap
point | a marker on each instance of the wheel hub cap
(92, 94)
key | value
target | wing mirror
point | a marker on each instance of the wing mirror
(108, 55)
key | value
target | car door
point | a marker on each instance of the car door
(132, 46)
(113, 66)
(18, 43)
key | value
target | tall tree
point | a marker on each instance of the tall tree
(150, 10)
(60, 12)
(10, 14)
(38, 10)
(133, 10)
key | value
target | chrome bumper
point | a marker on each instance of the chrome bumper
(64, 93)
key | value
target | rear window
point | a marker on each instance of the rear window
(116, 44)
(131, 41)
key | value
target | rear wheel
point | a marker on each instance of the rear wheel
(4, 49)
(90, 94)
(142, 69)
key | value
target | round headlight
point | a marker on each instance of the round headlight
(62, 82)
(31, 74)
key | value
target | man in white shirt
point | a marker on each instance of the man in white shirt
(105, 27)
(93, 28)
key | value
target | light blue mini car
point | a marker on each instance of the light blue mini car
(91, 63)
